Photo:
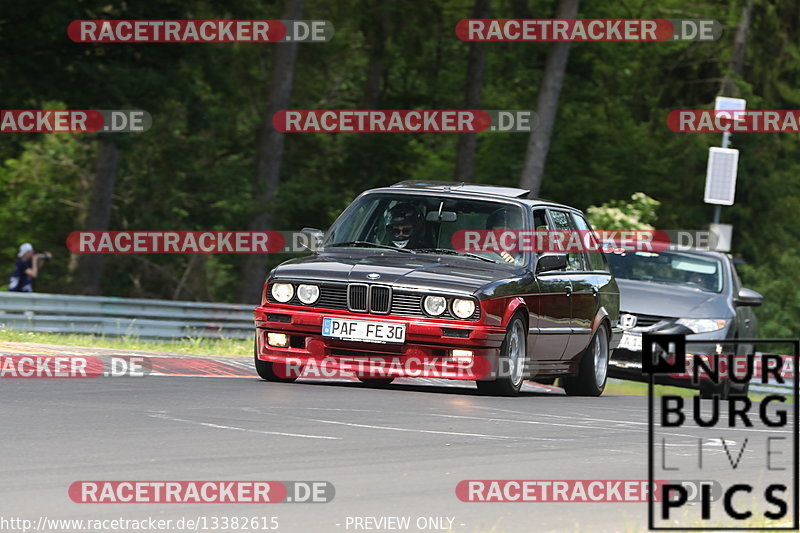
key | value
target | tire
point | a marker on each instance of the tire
(740, 390)
(593, 368)
(511, 365)
(376, 382)
(269, 371)
(724, 390)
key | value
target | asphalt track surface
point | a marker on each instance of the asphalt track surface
(398, 451)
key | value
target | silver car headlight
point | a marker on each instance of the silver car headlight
(308, 294)
(703, 325)
(434, 305)
(463, 308)
(282, 292)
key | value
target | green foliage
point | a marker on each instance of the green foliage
(42, 193)
(639, 214)
(195, 168)
(780, 313)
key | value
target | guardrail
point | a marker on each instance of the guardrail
(116, 317)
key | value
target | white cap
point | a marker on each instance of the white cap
(24, 249)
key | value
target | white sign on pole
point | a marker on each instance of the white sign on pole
(723, 103)
(730, 107)
(723, 164)
(723, 235)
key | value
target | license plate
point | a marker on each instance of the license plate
(631, 341)
(364, 330)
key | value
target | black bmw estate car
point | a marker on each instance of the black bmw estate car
(388, 294)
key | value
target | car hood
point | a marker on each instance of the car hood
(415, 271)
(648, 298)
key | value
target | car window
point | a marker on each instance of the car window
(426, 223)
(596, 260)
(540, 220)
(561, 222)
(677, 268)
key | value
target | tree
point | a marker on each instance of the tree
(638, 214)
(547, 106)
(467, 142)
(270, 153)
(736, 66)
(375, 28)
(87, 269)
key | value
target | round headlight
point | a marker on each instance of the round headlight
(463, 308)
(282, 292)
(307, 294)
(434, 305)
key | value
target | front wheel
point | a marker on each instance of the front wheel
(593, 368)
(511, 366)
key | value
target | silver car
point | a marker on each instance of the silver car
(693, 292)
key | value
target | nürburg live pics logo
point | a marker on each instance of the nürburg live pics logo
(733, 424)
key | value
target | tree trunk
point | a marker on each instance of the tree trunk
(270, 153)
(468, 142)
(88, 268)
(547, 106)
(736, 65)
(375, 30)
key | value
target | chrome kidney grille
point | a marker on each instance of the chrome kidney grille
(357, 296)
(363, 298)
(380, 299)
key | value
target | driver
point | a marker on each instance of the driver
(404, 226)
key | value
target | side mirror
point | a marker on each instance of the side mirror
(312, 238)
(748, 298)
(548, 262)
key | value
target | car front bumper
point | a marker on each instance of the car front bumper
(426, 352)
(626, 363)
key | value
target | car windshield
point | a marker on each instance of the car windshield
(423, 224)
(692, 270)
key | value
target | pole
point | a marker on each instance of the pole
(726, 141)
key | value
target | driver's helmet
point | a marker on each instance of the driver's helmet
(403, 222)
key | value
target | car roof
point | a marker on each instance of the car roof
(474, 189)
(696, 251)
(460, 186)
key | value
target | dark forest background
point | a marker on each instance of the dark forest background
(212, 161)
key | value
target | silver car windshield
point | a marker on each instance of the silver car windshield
(677, 268)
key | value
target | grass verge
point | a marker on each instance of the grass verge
(194, 345)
